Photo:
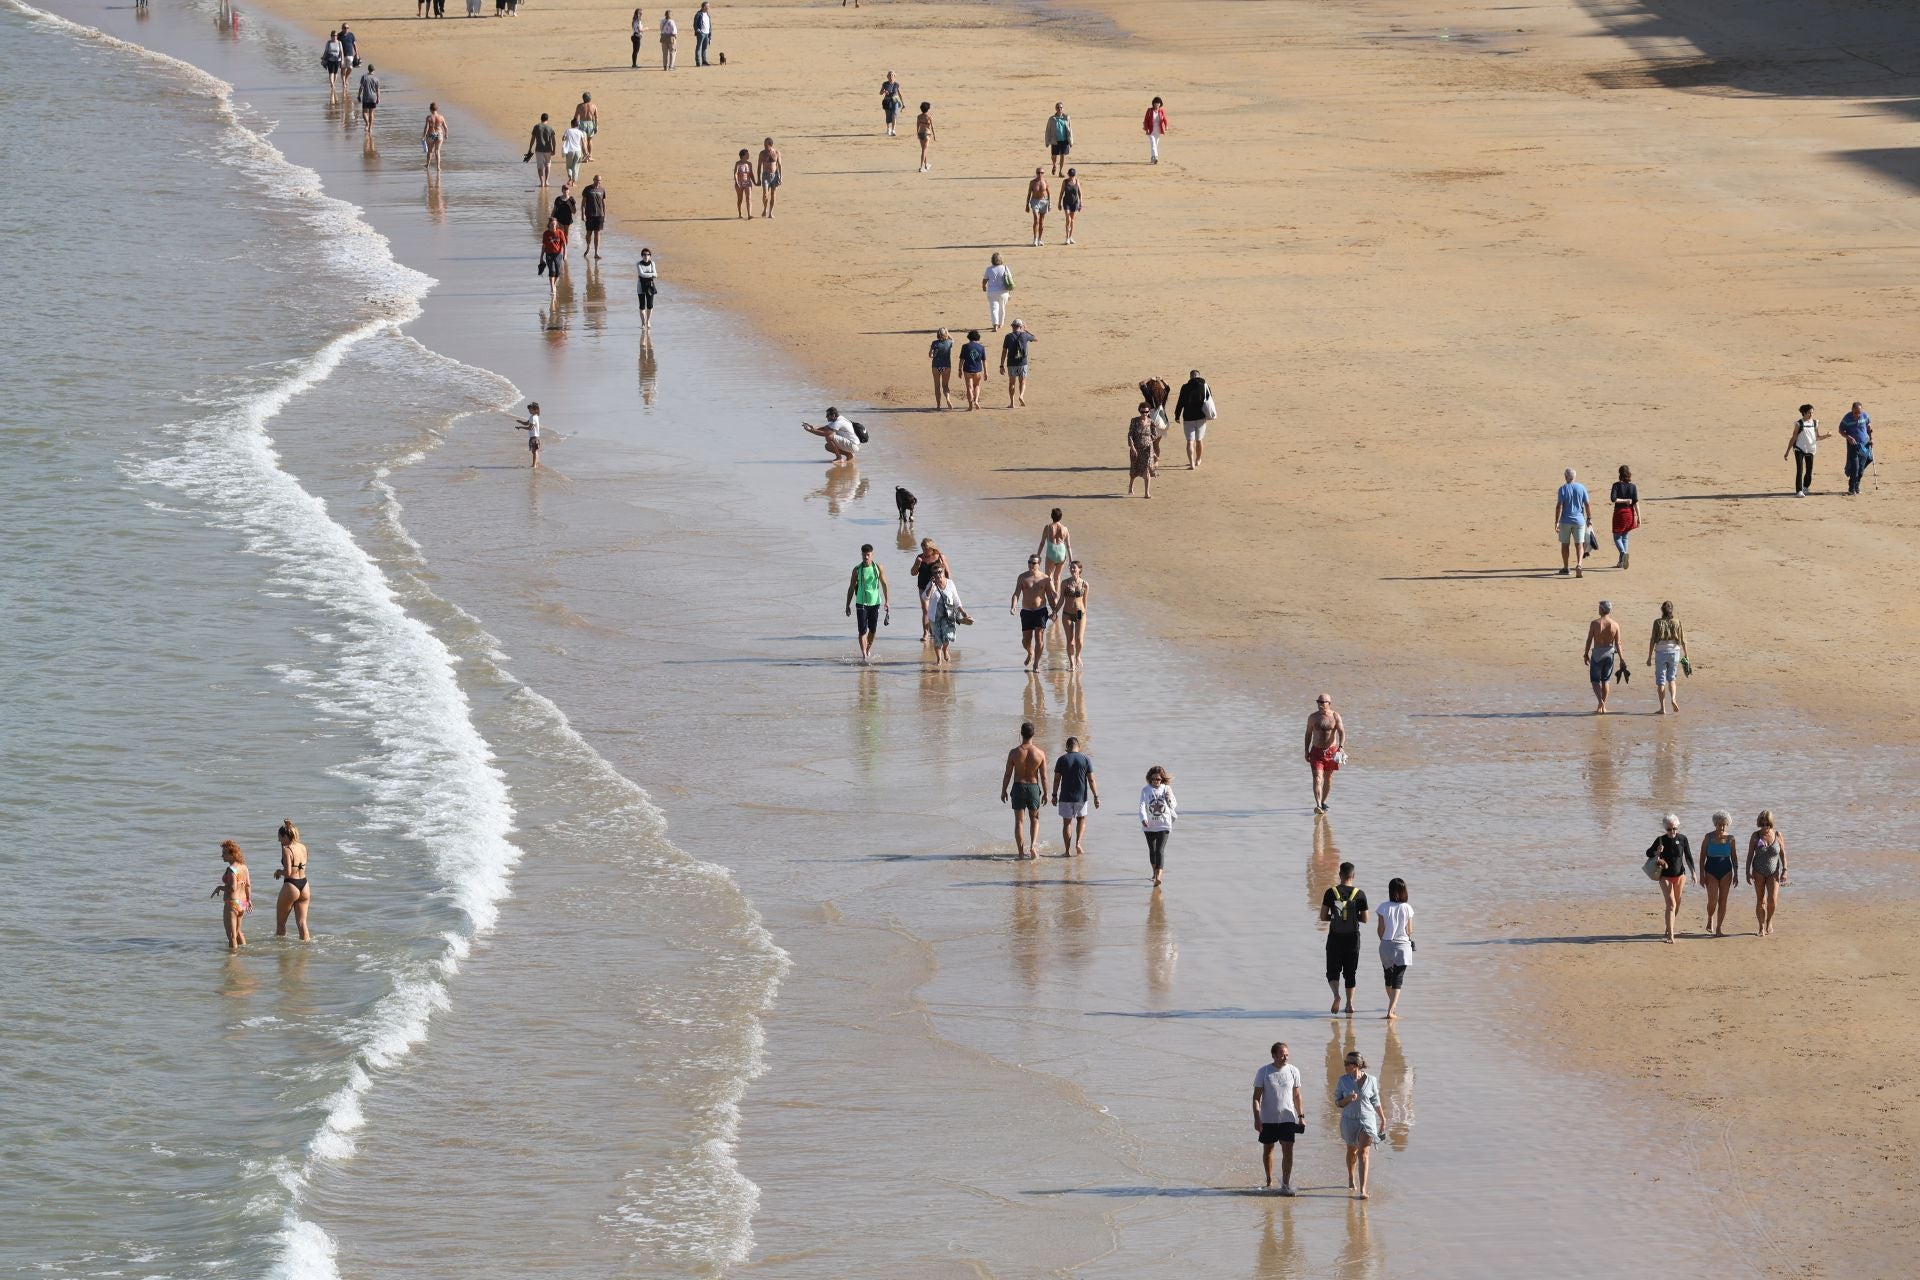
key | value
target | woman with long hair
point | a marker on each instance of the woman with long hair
(1056, 546)
(1158, 809)
(1073, 613)
(1666, 651)
(295, 895)
(1766, 869)
(1625, 496)
(1358, 1096)
(236, 891)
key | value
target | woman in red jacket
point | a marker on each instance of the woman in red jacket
(1154, 125)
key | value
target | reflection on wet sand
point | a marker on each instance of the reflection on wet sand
(1602, 771)
(865, 724)
(1162, 948)
(236, 980)
(844, 485)
(1364, 1257)
(649, 371)
(1671, 761)
(1340, 1043)
(595, 309)
(436, 200)
(1054, 918)
(1396, 1091)
(1323, 866)
(1281, 1255)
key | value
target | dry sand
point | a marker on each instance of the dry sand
(1427, 255)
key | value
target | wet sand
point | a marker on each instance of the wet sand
(1046, 1061)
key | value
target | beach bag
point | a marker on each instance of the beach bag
(1159, 419)
(860, 433)
(1624, 521)
(1652, 866)
(1207, 409)
(1008, 279)
(1593, 539)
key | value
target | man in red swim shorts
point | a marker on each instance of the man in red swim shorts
(1326, 739)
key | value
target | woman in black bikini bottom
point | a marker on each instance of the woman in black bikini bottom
(292, 875)
(1073, 612)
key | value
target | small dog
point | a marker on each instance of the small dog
(904, 502)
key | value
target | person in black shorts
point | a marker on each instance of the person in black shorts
(1035, 596)
(1344, 908)
(593, 211)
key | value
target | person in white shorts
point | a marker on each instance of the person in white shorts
(1192, 408)
(1277, 1112)
(1073, 789)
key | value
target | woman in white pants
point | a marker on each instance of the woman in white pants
(997, 283)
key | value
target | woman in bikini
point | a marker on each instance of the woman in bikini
(1056, 547)
(1766, 869)
(924, 128)
(236, 888)
(1718, 875)
(1070, 199)
(743, 187)
(925, 565)
(1073, 613)
(292, 875)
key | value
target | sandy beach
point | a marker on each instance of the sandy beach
(1474, 246)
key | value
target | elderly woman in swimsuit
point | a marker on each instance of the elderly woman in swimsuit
(292, 875)
(1056, 546)
(1073, 613)
(236, 887)
(1718, 875)
(1766, 869)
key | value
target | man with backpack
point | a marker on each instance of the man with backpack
(1344, 908)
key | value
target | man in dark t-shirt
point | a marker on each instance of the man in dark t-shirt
(593, 210)
(1073, 789)
(1344, 908)
(1013, 362)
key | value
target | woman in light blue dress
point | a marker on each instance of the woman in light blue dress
(1358, 1096)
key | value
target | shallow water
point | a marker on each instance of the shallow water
(974, 1066)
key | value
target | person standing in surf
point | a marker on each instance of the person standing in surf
(433, 136)
(295, 896)
(236, 891)
(369, 98)
(531, 425)
(867, 591)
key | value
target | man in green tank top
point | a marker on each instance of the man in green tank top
(867, 592)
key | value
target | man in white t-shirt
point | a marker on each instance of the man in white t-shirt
(1277, 1112)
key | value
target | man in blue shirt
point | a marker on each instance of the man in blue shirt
(1073, 789)
(1013, 362)
(1571, 515)
(1857, 429)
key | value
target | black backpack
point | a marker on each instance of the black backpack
(860, 433)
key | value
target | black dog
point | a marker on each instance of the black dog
(904, 502)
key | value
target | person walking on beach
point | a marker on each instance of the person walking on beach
(1625, 496)
(769, 171)
(593, 212)
(923, 129)
(1326, 742)
(349, 53)
(1277, 1113)
(565, 207)
(1034, 596)
(929, 562)
(1357, 1095)
(1801, 445)
(1025, 778)
(1073, 789)
(1073, 615)
(1601, 653)
(1056, 546)
(1666, 651)
(743, 181)
(1718, 874)
(1140, 450)
(1856, 428)
(1572, 514)
(333, 57)
(1158, 811)
(940, 352)
(647, 275)
(1195, 410)
(573, 149)
(945, 614)
(1344, 909)
(868, 592)
(369, 98)
(586, 118)
(295, 894)
(1766, 869)
(891, 100)
(235, 891)
(973, 366)
(541, 145)
(433, 136)
(669, 38)
(1039, 200)
(1394, 928)
(531, 425)
(702, 34)
(639, 35)
(553, 260)
(1013, 362)
(997, 283)
(1059, 137)
(1672, 859)
(841, 441)
(1154, 125)
(1070, 200)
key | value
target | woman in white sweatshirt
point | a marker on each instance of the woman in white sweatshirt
(1157, 813)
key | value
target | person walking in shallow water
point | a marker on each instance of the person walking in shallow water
(369, 98)
(1666, 651)
(945, 614)
(1024, 781)
(1278, 1113)
(868, 592)
(295, 895)
(1158, 812)
(1766, 870)
(1074, 789)
(1394, 928)
(1601, 653)
(553, 260)
(433, 136)
(1357, 1095)
(236, 892)
(531, 425)
(1343, 907)
(1326, 741)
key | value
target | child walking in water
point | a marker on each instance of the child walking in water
(236, 889)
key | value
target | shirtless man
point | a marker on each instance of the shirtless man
(434, 134)
(1035, 596)
(1601, 653)
(1326, 738)
(1026, 777)
(586, 118)
(769, 171)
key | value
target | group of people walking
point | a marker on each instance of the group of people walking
(1670, 862)
(235, 889)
